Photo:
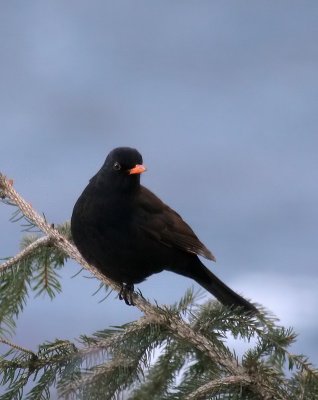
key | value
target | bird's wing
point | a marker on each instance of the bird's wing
(165, 225)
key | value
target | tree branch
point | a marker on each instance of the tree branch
(176, 325)
(25, 252)
(216, 384)
(16, 346)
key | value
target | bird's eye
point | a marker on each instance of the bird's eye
(117, 166)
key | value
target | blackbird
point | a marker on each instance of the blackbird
(128, 233)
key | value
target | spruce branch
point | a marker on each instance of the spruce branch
(254, 374)
(14, 286)
(16, 346)
(42, 241)
(163, 373)
(108, 378)
(52, 361)
(216, 385)
(33, 269)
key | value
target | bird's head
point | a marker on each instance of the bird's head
(122, 168)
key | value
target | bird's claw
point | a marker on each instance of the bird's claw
(126, 294)
(140, 293)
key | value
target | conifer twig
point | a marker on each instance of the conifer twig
(16, 346)
(100, 370)
(42, 241)
(176, 325)
(217, 384)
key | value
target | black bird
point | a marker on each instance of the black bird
(128, 233)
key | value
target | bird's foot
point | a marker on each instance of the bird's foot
(126, 294)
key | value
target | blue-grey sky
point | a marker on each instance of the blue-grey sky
(219, 97)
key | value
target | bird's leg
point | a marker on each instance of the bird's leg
(126, 292)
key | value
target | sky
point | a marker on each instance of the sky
(221, 100)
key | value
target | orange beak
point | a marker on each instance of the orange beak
(138, 169)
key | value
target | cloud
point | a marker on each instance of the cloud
(292, 298)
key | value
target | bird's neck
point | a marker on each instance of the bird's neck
(127, 186)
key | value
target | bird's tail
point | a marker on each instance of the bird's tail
(221, 291)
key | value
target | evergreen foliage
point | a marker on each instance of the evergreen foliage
(171, 353)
